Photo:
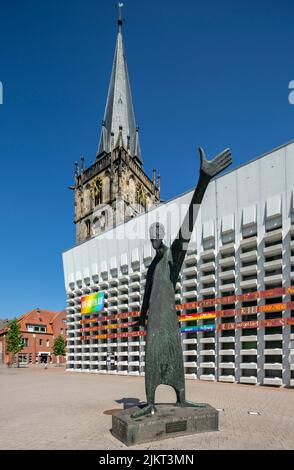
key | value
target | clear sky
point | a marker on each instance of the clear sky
(213, 73)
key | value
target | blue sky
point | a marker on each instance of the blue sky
(213, 73)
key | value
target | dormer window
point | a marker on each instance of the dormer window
(37, 328)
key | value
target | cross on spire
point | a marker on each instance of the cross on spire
(120, 21)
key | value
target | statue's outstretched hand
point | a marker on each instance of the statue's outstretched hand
(217, 165)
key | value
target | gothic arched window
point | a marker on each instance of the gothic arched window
(98, 191)
(141, 195)
(88, 228)
(132, 191)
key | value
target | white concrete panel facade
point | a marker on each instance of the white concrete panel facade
(243, 243)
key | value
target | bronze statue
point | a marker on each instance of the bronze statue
(163, 353)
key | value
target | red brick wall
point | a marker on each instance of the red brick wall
(54, 323)
(59, 327)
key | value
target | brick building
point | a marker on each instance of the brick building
(39, 328)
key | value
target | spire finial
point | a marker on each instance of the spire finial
(120, 21)
(76, 169)
(83, 163)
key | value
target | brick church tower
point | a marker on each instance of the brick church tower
(115, 188)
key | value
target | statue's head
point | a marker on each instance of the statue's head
(156, 233)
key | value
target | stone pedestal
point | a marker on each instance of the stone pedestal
(169, 421)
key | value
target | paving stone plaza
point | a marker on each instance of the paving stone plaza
(52, 409)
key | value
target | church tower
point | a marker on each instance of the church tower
(115, 188)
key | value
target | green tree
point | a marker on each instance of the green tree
(59, 347)
(13, 339)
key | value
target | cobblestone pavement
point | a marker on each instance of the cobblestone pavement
(55, 409)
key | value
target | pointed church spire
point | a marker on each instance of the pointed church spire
(119, 112)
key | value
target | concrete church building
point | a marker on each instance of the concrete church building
(234, 295)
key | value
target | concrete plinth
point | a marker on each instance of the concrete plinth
(168, 421)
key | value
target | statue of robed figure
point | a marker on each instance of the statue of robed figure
(163, 352)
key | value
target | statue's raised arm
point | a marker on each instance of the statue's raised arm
(208, 169)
